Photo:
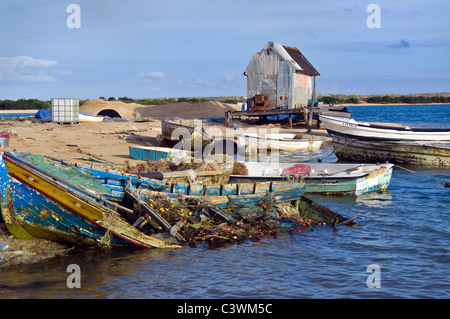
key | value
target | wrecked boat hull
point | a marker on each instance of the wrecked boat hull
(424, 154)
(38, 205)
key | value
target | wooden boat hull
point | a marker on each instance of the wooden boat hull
(35, 205)
(175, 131)
(222, 195)
(279, 142)
(190, 136)
(235, 194)
(326, 179)
(388, 132)
(395, 152)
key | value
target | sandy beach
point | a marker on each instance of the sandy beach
(109, 140)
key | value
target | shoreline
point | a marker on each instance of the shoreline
(384, 104)
(19, 111)
(336, 104)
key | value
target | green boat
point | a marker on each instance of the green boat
(323, 178)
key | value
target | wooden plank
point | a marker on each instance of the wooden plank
(153, 214)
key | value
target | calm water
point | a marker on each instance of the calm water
(15, 115)
(405, 231)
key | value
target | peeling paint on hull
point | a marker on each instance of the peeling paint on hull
(347, 148)
(35, 205)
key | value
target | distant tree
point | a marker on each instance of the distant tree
(24, 104)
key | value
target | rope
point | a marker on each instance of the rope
(321, 158)
(446, 184)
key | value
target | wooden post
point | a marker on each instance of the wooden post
(228, 118)
(310, 114)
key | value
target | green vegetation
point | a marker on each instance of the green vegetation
(385, 99)
(336, 100)
(326, 99)
(24, 104)
(407, 99)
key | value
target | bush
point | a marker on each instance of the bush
(24, 104)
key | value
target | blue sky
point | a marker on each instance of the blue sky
(175, 48)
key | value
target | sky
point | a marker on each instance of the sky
(177, 48)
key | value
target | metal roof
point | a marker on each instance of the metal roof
(298, 57)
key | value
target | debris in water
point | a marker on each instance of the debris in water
(197, 223)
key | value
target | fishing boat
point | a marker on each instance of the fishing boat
(190, 136)
(322, 178)
(216, 197)
(396, 143)
(38, 203)
(89, 118)
(392, 132)
(220, 195)
(412, 153)
(154, 153)
(281, 142)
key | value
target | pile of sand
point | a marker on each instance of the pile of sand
(181, 110)
(187, 110)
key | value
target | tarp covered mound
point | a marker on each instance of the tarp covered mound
(44, 114)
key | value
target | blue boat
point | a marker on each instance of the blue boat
(220, 195)
(153, 153)
(38, 204)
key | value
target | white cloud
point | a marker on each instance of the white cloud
(26, 68)
(229, 78)
(152, 75)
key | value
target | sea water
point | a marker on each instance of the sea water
(400, 249)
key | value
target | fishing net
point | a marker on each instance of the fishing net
(239, 169)
(167, 165)
(200, 225)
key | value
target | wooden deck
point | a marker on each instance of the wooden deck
(340, 111)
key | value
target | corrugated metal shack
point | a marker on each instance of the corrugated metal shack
(282, 74)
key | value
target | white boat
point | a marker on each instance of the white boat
(282, 142)
(395, 143)
(323, 178)
(383, 131)
(88, 118)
